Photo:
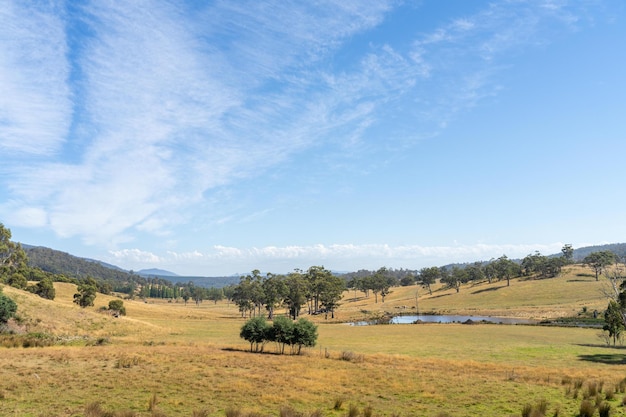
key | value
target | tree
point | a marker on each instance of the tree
(255, 331)
(429, 276)
(274, 290)
(44, 288)
(455, 278)
(197, 294)
(281, 332)
(214, 294)
(304, 335)
(86, 293)
(13, 260)
(475, 272)
(567, 253)
(331, 290)
(599, 260)
(614, 320)
(295, 295)
(117, 307)
(407, 280)
(507, 269)
(8, 308)
(381, 283)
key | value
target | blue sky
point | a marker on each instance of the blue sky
(213, 138)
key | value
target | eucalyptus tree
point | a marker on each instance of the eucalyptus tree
(331, 290)
(507, 269)
(316, 275)
(13, 260)
(86, 292)
(429, 276)
(382, 281)
(475, 272)
(455, 278)
(215, 294)
(598, 261)
(296, 292)
(274, 290)
(567, 252)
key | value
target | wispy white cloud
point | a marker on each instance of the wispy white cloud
(158, 105)
(35, 102)
(335, 256)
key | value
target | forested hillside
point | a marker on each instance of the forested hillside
(58, 262)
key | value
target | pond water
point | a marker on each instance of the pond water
(451, 319)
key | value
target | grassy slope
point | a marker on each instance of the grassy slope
(192, 358)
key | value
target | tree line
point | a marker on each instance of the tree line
(316, 288)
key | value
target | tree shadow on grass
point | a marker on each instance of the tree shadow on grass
(606, 358)
(439, 296)
(489, 289)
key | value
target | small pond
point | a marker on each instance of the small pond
(450, 319)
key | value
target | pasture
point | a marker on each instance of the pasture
(171, 359)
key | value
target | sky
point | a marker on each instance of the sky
(212, 138)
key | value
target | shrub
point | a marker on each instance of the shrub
(353, 411)
(233, 412)
(587, 409)
(7, 308)
(338, 403)
(117, 307)
(288, 411)
(94, 410)
(351, 356)
(128, 362)
(609, 394)
(368, 411)
(604, 409)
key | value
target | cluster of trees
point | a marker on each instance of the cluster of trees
(318, 288)
(283, 331)
(379, 282)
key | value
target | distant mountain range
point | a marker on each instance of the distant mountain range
(155, 272)
(72, 266)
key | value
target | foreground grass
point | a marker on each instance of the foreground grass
(172, 359)
(63, 380)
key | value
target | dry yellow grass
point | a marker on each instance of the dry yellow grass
(191, 357)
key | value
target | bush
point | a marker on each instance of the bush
(604, 409)
(8, 308)
(587, 409)
(117, 307)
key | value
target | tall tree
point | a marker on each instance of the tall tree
(456, 278)
(382, 282)
(429, 276)
(507, 269)
(274, 290)
(331, 291)
(13, 260)
(214, 294)
(567, 252)
(296, 291)
(599, 260)
(614, 320)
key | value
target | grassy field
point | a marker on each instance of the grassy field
(171, 359)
